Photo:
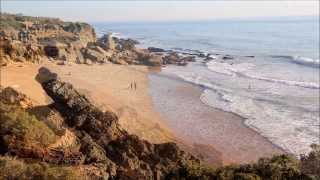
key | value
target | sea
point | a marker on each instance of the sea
(272, 81)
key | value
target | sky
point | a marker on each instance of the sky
(113, 11)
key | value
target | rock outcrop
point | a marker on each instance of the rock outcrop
(25, 38)
(175, 58)
(103, 140)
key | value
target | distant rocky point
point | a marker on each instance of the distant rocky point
(34, 39)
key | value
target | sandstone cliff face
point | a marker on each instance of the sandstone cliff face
(33, 39)
(48, 37)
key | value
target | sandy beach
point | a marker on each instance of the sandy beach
(108, 86)
(219, 137)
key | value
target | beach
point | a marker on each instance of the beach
(199, 124)
(107, 86)
(160, 109)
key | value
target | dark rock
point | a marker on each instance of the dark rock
(107, 42)
(103, 141)
(45, 75)
(51, 51)
(189, 59)
(172, 58)
(202, 55)
(81, 114)
(154, 49)
(226, 57)
(94, 153)
(126, 44)
(250, 56)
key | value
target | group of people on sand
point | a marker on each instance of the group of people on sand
(133, 85)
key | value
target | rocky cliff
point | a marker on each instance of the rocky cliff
(25, 38)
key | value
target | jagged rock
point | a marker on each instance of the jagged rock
(154, 60)
(188, 59)
(174, 58)
(126, 44)
(45, 75)
(83, 30)
(107, 42)
(9, 95)
(80, 113)
(97, 55)
(94, 153)
(226, 57)
(104, 141)
(146, 58)
(154, 49)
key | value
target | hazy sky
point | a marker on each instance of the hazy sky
(159, 10)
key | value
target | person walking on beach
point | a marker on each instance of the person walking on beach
(131, 85)
(135, 86)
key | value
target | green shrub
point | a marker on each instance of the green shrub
(20, 129)
(11, 168)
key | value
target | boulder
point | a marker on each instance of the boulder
(172, 58)
(126, 44)
(188, 59)
(154, 49)
(154, 60)
(107, 42)
(226, 57)
(96, 54)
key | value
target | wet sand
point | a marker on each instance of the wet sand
(199, 124)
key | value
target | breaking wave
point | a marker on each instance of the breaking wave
(241, 68)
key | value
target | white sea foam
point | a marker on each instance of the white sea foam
(290, 127)
(242, 69)
(306, 61)
(292, 130)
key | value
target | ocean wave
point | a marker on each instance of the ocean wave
(280, 125)
(311, 85)
(118, 35)
(305, 61)
(241, 68)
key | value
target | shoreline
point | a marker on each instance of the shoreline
(235, 114)
(250, 144)
(138, 112)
